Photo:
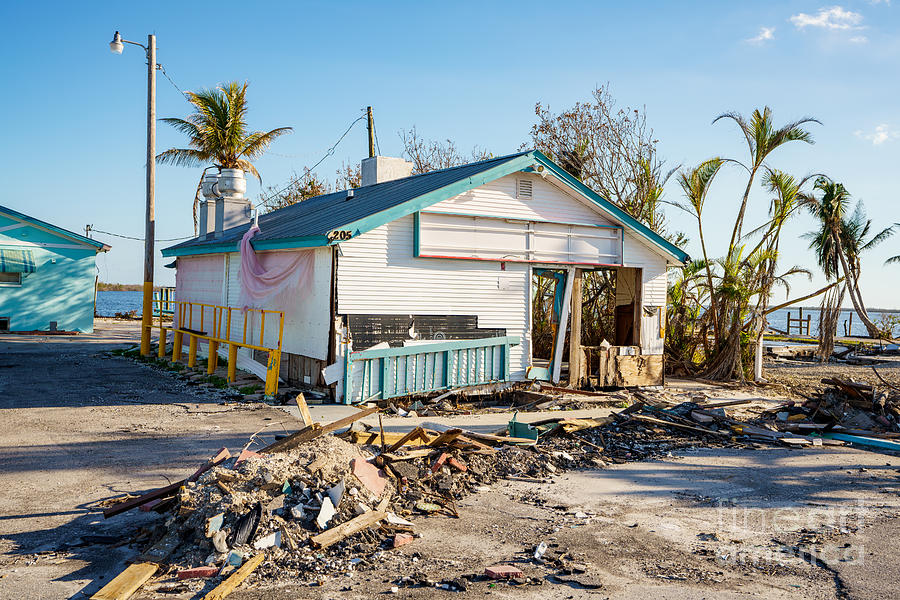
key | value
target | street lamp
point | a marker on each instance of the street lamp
(116, 46)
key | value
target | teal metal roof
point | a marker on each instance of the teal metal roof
(100, 246)
(313, 222)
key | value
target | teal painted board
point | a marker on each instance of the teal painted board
(432, 357)
(60, 289)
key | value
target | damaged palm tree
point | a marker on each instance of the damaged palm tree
(840, 239)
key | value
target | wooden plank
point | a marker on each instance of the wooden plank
(304, 410)
(411, 454)
(121, 507)
(135, 502)
(344, 530)
(709, 405)
(647, 419)
(575, 354)
(235, 579)
(372, 438)
(411, 435)
(126, 583)
(310, 433)
(446, 437)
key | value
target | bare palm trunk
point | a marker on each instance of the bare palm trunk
(828, 318)
(855, 297)
(739, 223)
(713, 304)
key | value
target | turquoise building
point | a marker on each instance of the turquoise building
(47, 275)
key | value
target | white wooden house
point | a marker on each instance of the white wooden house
(436, 271)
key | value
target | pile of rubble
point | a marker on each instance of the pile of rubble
(846, 410)
(332, 499)
(313, 504)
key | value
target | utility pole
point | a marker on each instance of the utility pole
(116, 46)
(371, 132)
(150, 231)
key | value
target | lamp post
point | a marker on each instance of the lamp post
(116, 46)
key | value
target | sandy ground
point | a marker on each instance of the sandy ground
(714, 523)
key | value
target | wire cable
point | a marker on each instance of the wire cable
(137, 239)
(162, 69)
(330, 152)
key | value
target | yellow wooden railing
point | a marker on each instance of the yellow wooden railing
(190, 318)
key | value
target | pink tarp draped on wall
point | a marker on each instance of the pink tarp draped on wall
(267, 275)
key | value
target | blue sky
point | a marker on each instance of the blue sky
(74, 114)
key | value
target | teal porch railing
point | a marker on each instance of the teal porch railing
(381, 373)
(164, 302)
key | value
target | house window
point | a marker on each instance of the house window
(10, 279)
(524, 189)
(4, 323)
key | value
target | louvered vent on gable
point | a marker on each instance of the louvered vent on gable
(524, 189)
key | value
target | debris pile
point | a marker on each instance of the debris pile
(313, 504)
(848, 411)
(320, 503)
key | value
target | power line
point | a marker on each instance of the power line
(128, 237)
(330, 152)
(162, 69)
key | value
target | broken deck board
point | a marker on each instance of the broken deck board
(305, 416)
(344, 530)
(126, 583)
(127, 505)
(235, 579)
(647, 419)
(310, 433)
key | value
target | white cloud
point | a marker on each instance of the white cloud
(828, 18)
(765, 34)
(858, 39)
(883, 133)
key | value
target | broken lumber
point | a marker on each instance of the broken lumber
(345, 530)
(410, 455)
(135, 502)
(304, 410)
(221, 456)
(446, 437)
(235, 579)
(647, 419)
(310, 433)
(709, 405)
(126, 583)
(413, 434)
(372, 438)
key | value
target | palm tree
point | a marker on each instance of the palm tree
(217, 134)
(762, 139)
(841, 238)
(695, 185)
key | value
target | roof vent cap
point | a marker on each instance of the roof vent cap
(349, 194)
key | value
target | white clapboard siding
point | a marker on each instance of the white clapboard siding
(547, 203)
(378, 274)
(200, 279)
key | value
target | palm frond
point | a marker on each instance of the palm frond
(183, 157)
(257, 142)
